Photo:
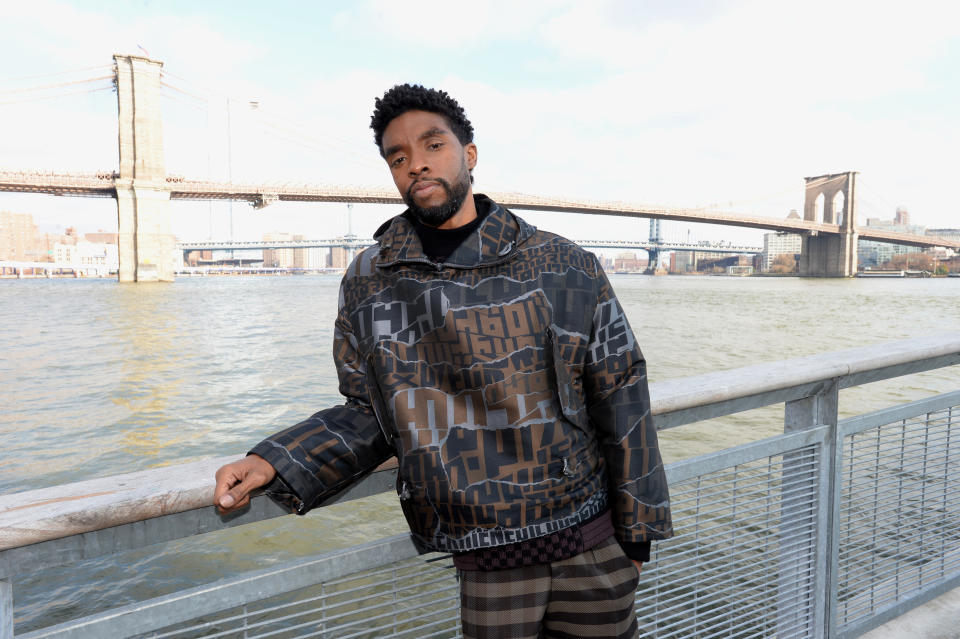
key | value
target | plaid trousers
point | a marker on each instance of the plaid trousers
(588, 595)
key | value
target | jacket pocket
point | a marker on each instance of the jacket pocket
(567, 389)
(379, 406)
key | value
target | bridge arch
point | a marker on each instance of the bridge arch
(830, 254)
(839, 207)
(829, 199)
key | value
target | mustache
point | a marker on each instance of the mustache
(440, 181)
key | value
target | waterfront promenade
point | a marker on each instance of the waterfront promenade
(829, 529)
(103, 380)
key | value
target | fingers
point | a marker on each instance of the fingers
(638, 564)
(235, 482)
(239, 496)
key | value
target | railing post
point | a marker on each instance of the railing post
(802, 482)
(6, 609)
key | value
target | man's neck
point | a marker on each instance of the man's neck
(440, 243)
(466, 214)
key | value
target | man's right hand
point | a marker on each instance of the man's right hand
(236, 481)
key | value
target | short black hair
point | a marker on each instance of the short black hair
(414, 97)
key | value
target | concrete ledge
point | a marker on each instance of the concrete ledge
(936, 619)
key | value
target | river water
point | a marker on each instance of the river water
(98, 379)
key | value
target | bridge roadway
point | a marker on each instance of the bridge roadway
(358, 243)
(103, 184)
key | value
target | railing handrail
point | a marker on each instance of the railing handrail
(32, 518)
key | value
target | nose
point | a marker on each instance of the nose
(418, 165)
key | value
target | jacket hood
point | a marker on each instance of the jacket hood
(498, 236)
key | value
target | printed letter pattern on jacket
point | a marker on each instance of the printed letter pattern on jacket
(506, 380)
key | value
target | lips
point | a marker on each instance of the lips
(424, 187)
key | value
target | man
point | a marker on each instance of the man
(495, 362)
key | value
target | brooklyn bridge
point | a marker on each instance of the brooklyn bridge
(143, 191)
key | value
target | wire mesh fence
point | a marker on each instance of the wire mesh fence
(899, 522)
(741, 565)
(410, 599)
(824, 532)
(742, 562)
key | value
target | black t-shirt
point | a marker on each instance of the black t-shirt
(439, 244)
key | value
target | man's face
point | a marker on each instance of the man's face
(429, 165)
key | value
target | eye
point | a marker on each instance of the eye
(434, 146)
(397, 161)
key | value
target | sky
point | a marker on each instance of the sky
(726, 104)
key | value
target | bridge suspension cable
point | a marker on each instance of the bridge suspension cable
(791, 190)
(51, 91)
(277, 126)
(56, 96)
(45, 87)
(874, 193)
(99, 67)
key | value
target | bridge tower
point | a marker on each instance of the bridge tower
(830, 255)
(655, 238)
(146, 245)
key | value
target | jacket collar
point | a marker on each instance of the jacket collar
(495, 240)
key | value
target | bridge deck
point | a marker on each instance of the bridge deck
(103, 184)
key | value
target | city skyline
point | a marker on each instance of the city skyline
(724, 104)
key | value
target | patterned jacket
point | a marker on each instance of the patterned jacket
(506, 381)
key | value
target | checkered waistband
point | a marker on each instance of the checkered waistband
(562, 544)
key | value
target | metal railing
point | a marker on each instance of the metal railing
(827, 530)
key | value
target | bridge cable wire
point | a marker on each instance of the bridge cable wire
(298, 127)
(56, 95)
(99, 67)
(875, 193)
(57, 85)
(752, 201)
(294, 135)
(164, 83)
(285, 128)
(190, 104)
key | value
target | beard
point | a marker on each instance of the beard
(437, 215)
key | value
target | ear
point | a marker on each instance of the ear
(470, 153)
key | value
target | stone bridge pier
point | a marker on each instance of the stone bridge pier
(146, 244)
(830, 199)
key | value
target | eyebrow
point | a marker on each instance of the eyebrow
(432, 132)
(429, 133)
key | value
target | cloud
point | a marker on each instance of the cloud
(442, 24)
(690, 103)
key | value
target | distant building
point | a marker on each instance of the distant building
(628, 262)
(278, 257)
(873, 254)
(775, 244)
(18, 237)
(101, 237)
(316, 258)
(942, 253)
(901, 217)
(64, 253)
(339, 257)
(100, 257)
(681, 262)
(196, 258)
(300, 257)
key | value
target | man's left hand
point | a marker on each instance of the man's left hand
(638, 564)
